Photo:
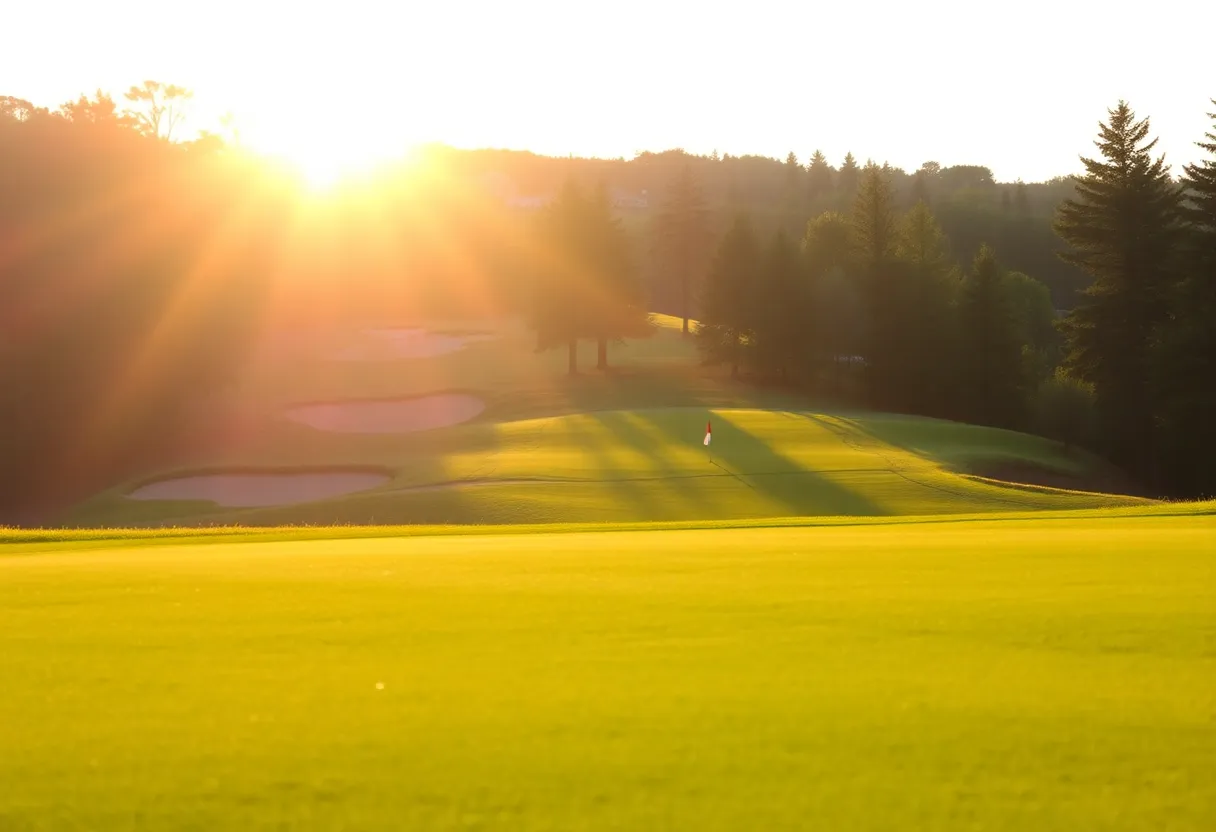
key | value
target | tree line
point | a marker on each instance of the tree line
(139, 267)
(869, 304)
(970, 205)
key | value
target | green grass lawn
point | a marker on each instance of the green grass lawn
(644, 465)
(574, 616)
(1047, 672)
(618, 447)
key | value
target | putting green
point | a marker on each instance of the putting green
(649, 465)
(1050, 673)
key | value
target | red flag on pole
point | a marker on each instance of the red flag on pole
(708, 431)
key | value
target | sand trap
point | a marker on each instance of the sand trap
(388, 344)
(249, 490)
(401, 416)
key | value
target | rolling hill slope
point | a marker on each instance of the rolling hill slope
(650, 465)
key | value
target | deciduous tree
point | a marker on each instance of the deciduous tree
(159, 108)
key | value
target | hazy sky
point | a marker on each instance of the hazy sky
(1019, 87)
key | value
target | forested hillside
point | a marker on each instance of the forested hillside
(138, 270)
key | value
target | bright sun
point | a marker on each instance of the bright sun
(326, 160)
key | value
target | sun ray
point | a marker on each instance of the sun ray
(152, 357)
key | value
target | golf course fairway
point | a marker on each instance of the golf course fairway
(1051, 671)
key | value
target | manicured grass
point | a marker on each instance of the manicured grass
(624, 446)
(1050, 672)
(644, 465)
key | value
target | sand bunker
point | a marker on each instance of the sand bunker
(388, 344)
(249, 490)
(401, 416)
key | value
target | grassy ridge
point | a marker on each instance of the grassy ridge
(649, 465)
(623, 446)
(1046, 672)
(22, 541)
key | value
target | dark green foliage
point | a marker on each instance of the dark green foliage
(795, 174)
(781, 324)
(875, 227)
(966, 203)
(1021, 201)
(1123, 228)
(1186, 352)
(1030, 303)
(110, 234)
(837, 315)
(884, 285)
(990, 361)
(586, 286)
(126, 296)
(681, 242)
(1063, 409)
(848, 177)
(927, 314)
(730, 302)
(819, 178)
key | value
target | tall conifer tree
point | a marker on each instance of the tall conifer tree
(927, 299)
(819, 177)
(883, 282)
(992, 375)
(781, 322)
(1122, 226)
(1186, 366)
(730, 295)
(682, 237)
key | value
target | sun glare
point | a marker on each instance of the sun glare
(324, 162)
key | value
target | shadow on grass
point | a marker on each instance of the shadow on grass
(626, 429)
(752, 461)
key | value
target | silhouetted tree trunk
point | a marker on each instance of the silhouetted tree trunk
(682, 231)
(573, 346)
(601, 360)
(684, 304)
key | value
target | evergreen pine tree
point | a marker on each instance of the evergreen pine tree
(875, 228)
(794, 173)
(876, 235)
(837, 319)
(819, 178)
(848, 178)
(780, 320)
(1186, 364)
(682, 237)
(585, 286)
(993, 384)
(1122, 226)
(618, 307)
(927, 299)
(726, 317)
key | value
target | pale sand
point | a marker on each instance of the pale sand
(388, 344)
(249, 490)
(403, 416)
